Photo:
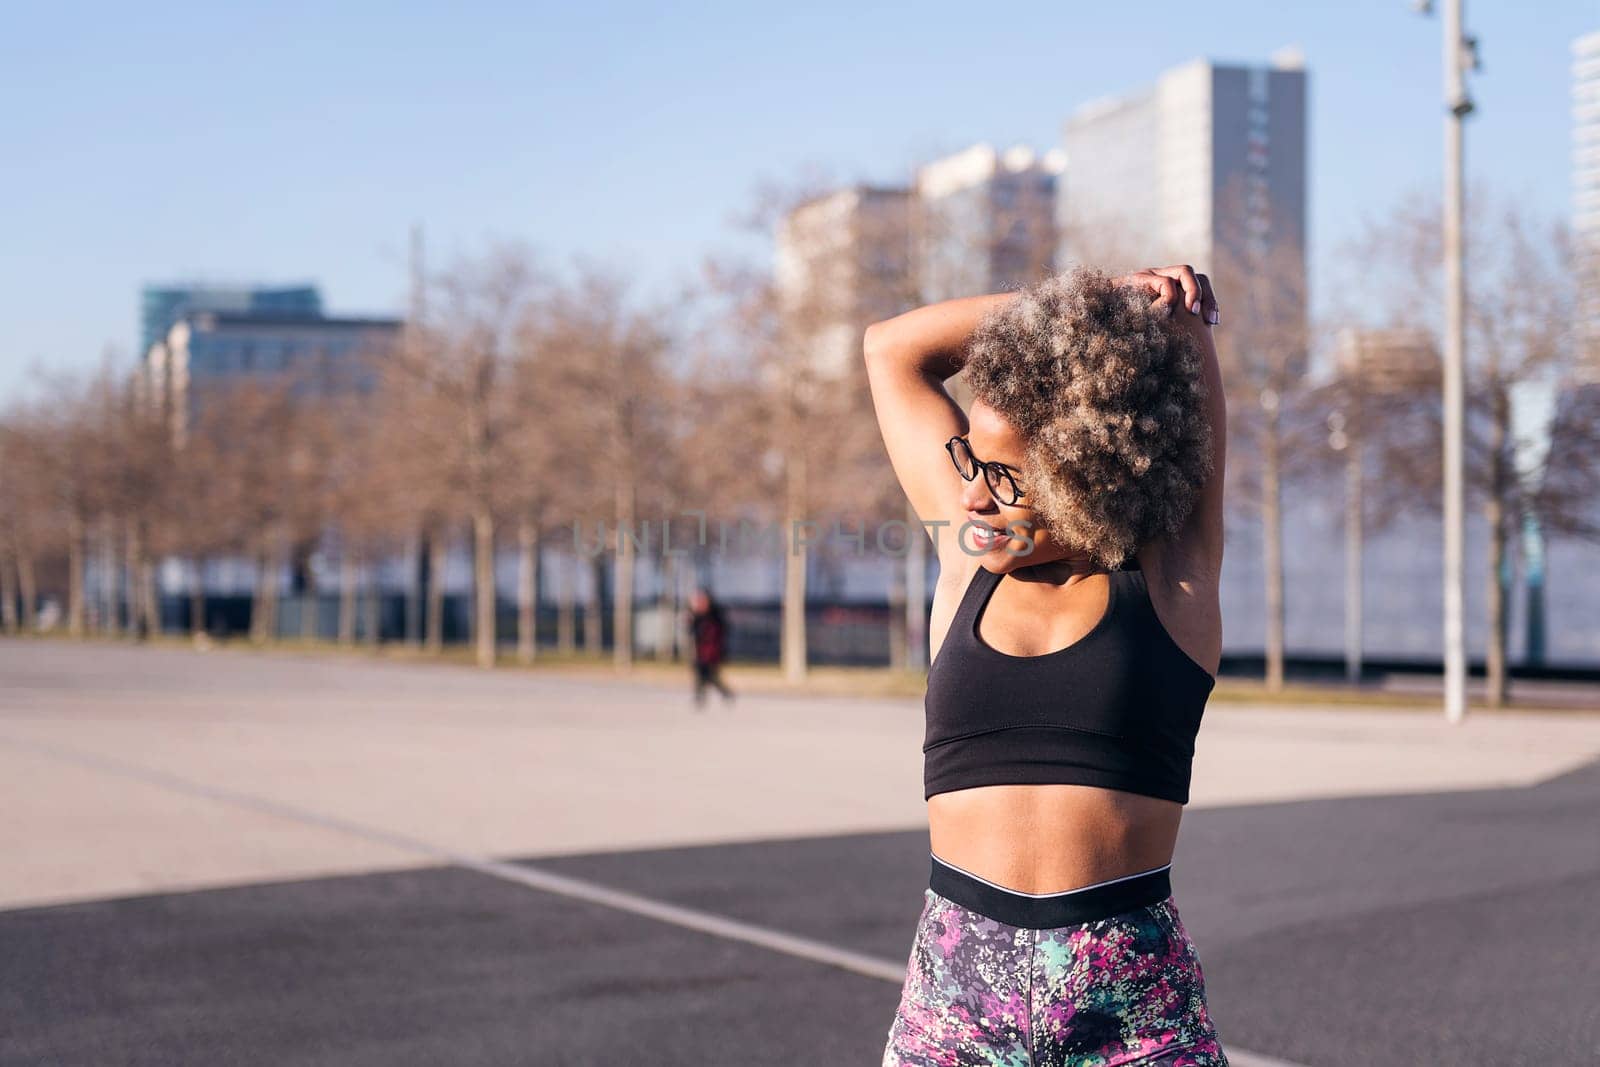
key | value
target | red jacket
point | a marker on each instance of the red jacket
(710, 639)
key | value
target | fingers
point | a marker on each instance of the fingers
(1163, 289)
(1174, 287)
(1198, 296)
(1184, 275)
(1166, 290)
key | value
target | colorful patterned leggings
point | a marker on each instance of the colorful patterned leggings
(1096, 977)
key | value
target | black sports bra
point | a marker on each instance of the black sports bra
(1119, 708)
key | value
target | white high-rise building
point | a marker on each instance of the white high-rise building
(1586, 190)
(1207, 166)
(842, 263)
(985, 220)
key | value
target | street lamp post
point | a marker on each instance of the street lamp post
(1460, 54)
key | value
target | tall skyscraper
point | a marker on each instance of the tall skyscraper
(1207, 166)
(843, 262)
(161, 306)
(1586, 192)
(985, 220)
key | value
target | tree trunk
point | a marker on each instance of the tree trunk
(75, 563)
(566, 621)
(527, 590)
(915, 638)
(149, 597)
(622, 594)
(310, 628)
(794, 650)
(675, 621)
(138, 623)
(349, 574)
(197, 596)
(666, 615)
(133, 589)
(1354, 530)
(593, 622)
(1272, 555)
(483, 585)
(258, 603)
(8, 594)
(28, 589)
(110, 579)
(371, 604)
(258, 600)
(1496, 689)
(272, 599)
(436, 591)
(264, 617)
(413, 550)
(899, 653)
(1502, 476)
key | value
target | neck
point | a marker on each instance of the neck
(1061, 571)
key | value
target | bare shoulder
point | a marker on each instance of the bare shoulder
(1185, 591)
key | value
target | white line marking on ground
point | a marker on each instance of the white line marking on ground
(1251, 1059)
(532, 877)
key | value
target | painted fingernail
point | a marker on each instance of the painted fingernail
(1194, 308)
(1214, 316)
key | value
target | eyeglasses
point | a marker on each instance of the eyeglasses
(998, 476)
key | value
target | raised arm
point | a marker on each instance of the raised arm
(1196, 550)
(1200, 539)
(909, 358)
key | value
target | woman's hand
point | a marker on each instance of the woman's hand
(1177, 286)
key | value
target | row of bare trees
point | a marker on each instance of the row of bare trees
(1525, 336)
(519, 401)
(1380, 408)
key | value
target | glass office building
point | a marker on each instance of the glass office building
(161, 306)
(315, 357)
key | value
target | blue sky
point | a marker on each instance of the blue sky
(299, 141)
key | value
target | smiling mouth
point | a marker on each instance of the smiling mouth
(986, 536)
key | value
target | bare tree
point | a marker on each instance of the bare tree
(29, 516)
(841, 262)
(1566, 485)
(551, 474)
(1264, 355)
(608, 360)
(247, 450)
(73, 446)
(455, 371)
(1520, 333)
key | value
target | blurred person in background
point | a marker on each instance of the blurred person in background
(708, 628)
(1075, 636)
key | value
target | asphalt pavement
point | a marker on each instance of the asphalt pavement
(1456, 928)
(241, 859)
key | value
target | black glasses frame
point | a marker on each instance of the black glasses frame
(1001, 482)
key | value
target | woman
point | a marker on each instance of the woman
(1076, 635)
(709, 631)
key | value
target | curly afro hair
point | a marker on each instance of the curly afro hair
(1108, 393)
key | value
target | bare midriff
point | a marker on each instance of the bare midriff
(1051, 838)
